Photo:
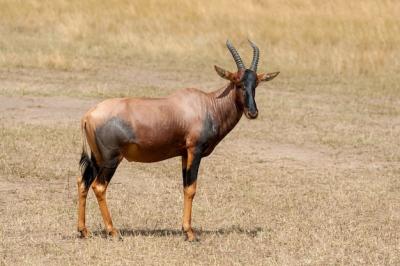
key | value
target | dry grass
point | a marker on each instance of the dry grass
(315, 180)
(300, 36)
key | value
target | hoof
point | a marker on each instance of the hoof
(115, 234)
(84, 233)
(190, 236)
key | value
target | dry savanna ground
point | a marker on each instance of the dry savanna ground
(314, 180)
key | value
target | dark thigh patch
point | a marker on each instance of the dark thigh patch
(110, 138)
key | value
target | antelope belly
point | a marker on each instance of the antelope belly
(135, 153)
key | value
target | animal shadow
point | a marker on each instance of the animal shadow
(128, 232)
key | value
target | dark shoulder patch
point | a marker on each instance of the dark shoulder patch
(209, 130)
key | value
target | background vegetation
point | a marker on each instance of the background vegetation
(304, 36)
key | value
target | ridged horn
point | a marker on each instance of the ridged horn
(256, 56)
(236, 56)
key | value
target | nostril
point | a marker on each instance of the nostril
(253, 114)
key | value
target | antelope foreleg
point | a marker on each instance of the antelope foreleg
(189, 191)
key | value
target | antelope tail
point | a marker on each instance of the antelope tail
(88, 165)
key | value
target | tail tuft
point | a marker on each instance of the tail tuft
(88, 167)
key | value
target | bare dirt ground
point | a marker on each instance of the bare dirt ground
(315, 180)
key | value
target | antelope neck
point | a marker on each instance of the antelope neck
(226, 108)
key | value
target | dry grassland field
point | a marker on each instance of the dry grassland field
(314, 180)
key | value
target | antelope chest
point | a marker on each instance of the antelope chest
(209, 136)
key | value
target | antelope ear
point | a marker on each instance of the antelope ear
(267, 76)
(224, 73)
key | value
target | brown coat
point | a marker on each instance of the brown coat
(150, 130)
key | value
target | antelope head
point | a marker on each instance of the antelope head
(245, 80)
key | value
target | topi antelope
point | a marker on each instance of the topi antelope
(189, 123)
